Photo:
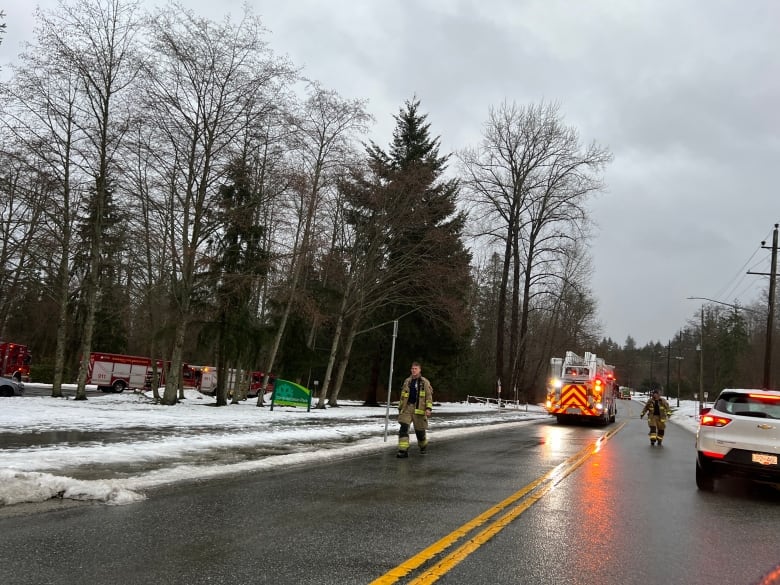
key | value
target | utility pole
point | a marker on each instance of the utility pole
(701, 361)
(668, 362)
(770, 317)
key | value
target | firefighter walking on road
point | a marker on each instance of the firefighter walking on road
(658, 410)
(414, 408)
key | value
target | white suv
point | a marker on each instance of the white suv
(739, 436)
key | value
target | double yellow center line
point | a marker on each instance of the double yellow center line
(537, 489)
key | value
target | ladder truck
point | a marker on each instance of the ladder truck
(582, 388)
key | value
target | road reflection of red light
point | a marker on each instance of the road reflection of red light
(771, 578)
(593, 500)
(554, 441)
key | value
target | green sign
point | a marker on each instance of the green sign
(288, 393)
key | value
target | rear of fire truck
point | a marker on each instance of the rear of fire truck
(581, 388)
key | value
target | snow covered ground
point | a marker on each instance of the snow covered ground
(112, 448)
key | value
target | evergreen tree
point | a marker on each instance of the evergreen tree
(425, 241)
(112, 320)
(239, 261)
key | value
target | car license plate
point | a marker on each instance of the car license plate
(764, 459)
(573, 410)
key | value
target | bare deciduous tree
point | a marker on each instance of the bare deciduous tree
(95, 40)
(200, 84)
(325, 131)
(530, 178)
(42, 115)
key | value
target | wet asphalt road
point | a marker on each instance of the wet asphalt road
(629, 514)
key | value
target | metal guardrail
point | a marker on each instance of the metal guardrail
(499, 402)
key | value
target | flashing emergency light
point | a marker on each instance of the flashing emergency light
(557, 383)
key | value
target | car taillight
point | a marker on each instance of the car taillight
(711, 420)
(713, 455)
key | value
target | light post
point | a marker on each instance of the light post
(390, 381)
(653, 353)
(392, 359)
(700, 348)
(668, 363)
(652, 380)
(679, 359)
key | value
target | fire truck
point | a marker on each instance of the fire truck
(112, 372)
(15, 360)
(582, 388)
(208, 383)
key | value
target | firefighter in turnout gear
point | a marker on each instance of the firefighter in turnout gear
(414, 408)
(658, 410)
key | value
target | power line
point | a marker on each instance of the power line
(741, 275)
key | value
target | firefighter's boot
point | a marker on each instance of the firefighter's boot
(653, 436)
(403, 441)
(422, 441)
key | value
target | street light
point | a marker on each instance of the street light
(392, 359)
(736, 309)
(653, 353)
(679, 359)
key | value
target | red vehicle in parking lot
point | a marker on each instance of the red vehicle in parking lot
(113, 372)
(256, 382)
(15, 360)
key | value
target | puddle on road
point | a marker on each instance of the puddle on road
(76, 437)
(69, 437)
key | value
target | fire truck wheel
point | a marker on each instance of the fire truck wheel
(119, 386)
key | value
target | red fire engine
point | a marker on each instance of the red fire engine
(112, 372)
(15, 361)
(582, 388)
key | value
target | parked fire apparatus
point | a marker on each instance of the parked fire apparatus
(208, 383)
(582, 388)
(15, 360)
(112, 372)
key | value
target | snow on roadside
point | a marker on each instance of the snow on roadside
(164, 445)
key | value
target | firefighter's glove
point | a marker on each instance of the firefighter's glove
(428, 413)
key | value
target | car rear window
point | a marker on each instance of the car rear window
(749, 405)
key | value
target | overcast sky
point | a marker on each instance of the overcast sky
(685, 94)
